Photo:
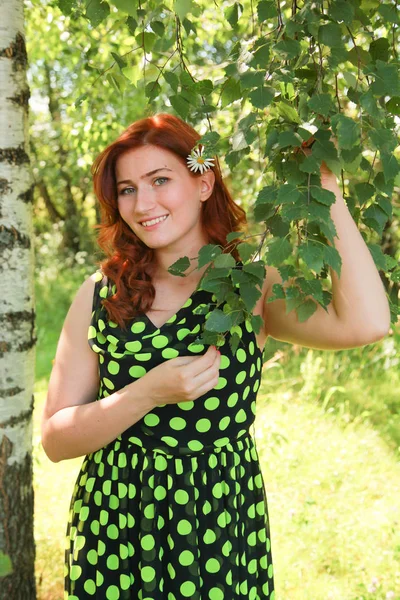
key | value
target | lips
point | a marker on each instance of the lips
(152, 219)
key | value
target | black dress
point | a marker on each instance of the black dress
(175, 506)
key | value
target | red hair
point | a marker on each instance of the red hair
(128, 257)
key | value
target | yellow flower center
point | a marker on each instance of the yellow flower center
(200, 160)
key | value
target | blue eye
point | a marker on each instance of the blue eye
(125, 191)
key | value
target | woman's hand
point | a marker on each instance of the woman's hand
(327, 177)
(183, 378)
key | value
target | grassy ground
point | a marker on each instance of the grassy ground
(328, 435)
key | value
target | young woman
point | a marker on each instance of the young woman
(170, 500)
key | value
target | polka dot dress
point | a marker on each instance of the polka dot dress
(175, 506)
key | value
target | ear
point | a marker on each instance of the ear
(207, 184)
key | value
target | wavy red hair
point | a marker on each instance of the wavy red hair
(128, 258)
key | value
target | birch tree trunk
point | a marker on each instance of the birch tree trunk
(17, 333)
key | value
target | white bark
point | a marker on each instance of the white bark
(16, 264)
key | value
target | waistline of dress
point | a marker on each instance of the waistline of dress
(242, 441)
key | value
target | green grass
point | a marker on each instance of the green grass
(328, 436)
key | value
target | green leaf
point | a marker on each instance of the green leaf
(379, 49)
(97, 11)
(378, 256)
(262, 212)
(251, 79)
(288, 48)
(313, 255)
(179, 266)
(267, 195)
(305, 310)
(383, 139)
(66, 7)
(323, 196)
(333, 259)
(370, 105)
(387, 80)
(181, 106)
(342, 11)
(147, 39)
(257, 323)
(364, 191)
(5, 565)
(182, 8)
(261, 55)
(311, 287)
(358, 55)
(234, 235)
(249, 294)
(262, 96)
(204, 87)
(224, 260)
(245, 250)
(289, 138)
(286, 271)
(375, 217)
(171, 79)
(309, 165)
(231, 91)
(390, 165)
(289, 113)
(132, 25)
(232, 14)
(152, 90)
(393, 105)
(266, 9)
(120, 61)
(158, 27)
(322, 104)
(278, 293)
(330, 35)
(234, 341)
(219, 321)
(348, 131)
(385, 205)
(207, 254)
(257, 269)
(389, 12)
(126, 6)
(288, 193)
(278, 251)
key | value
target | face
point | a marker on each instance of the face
(171, 192)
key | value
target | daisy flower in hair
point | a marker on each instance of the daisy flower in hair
(197, 161)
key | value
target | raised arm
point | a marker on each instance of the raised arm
(359, 313)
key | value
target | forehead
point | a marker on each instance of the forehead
(141, 160)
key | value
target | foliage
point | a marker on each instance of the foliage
(299, 70)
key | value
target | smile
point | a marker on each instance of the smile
(154, 221)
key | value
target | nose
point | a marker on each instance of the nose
(144, 201)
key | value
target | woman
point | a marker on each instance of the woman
(170, 500)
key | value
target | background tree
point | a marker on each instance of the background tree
(17, 315)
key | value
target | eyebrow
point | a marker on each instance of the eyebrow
(146, 174)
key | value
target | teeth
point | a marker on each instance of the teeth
(154, 221)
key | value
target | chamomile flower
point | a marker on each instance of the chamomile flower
(197, 162)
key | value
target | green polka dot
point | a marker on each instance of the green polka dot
(209, 537)
(184, 527)
(148, 573)
(91, 332)
(103, 291)
(232, 400)
(133, 346)
(147, 542)
(138, 327)
(143, 357)
(92, 557)
(95, 527)
(182, 333)
(108, 383)
(241, 416)
(203, 425)
(224, 422)
(160, 492)
(169, 353)
(75, 572)
(225, 362)
(112, 593)
(170, 441)
(177, 423)
(124, 582)
(112, 532)
(216, 594)
(90, 587)
(151, 419)
(241, 355)
(256, 385)
(187, 405)
(212, 565)
(195, 347)
(181, 497)
(137, 371)
(240, 377)
(160, 341)
(212, 403)
(188, 589)
(186, 558)
(195, 445)
(222, 382)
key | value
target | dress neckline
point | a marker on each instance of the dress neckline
(175, 315)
